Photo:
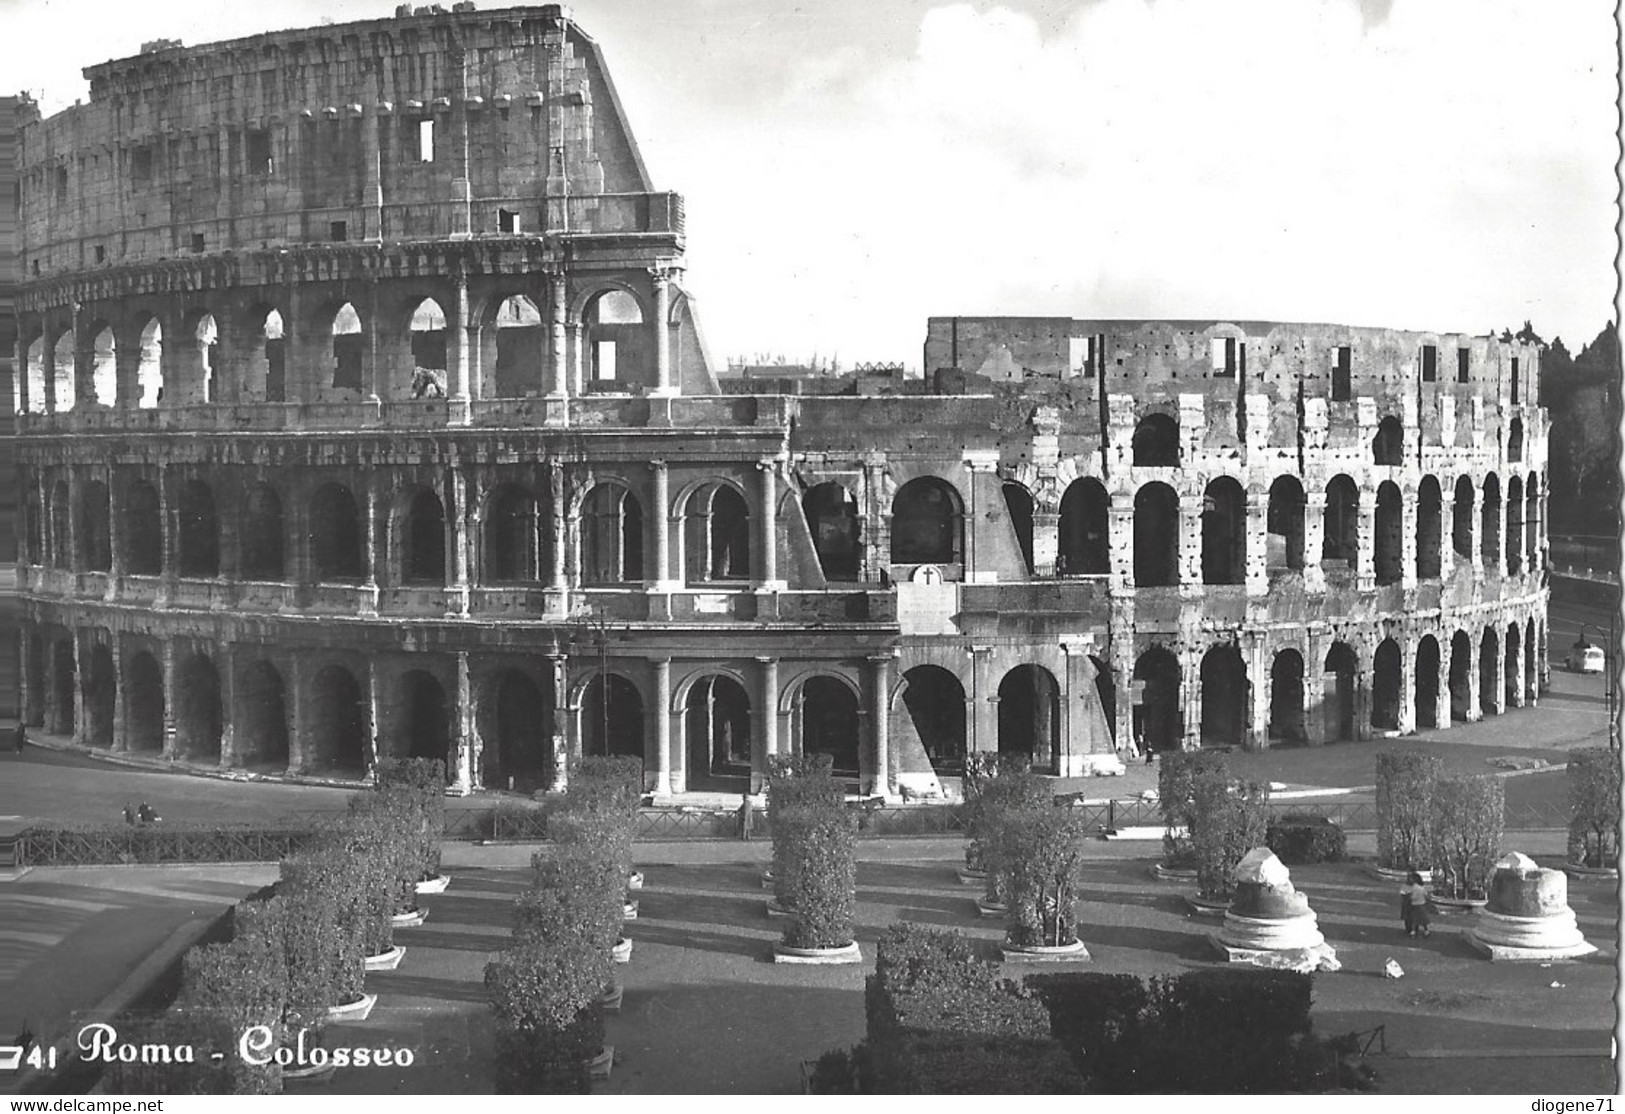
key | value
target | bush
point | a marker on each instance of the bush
(605, 834)
(1040, 851)
(385, 863)
(1015, 788)
(548, 1021)
(1090, 1012)
(1468, 815)
(797, 781)
(1177, 772)
(576, 896)
(1594, 786)
(840, 1071)
(226, 989)
(819, 874)
(319, 878)
(1298, 839)
(422, 782)
(1405, 780)
(292, 931)
(982, 767)
(1228, 819)
(612, 783)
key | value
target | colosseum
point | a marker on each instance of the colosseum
(365, 412)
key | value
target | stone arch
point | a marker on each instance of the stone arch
(1388, 559)
(832, 517)
(61, 531)
(1489, 535)
(1085, 529)
(1515, 440)
(196, 360)
(427, 337)
(422, 535)
(1489, 671)
(348, 335)
(101, 695)
(614, 338)
(1341, 542)
(199, 717)
(265, 356)
(611, 526)
(422, 706)
(338, 723)
(518, 347)
(62, 359)
(149, 373)
(1286, 698)
(1284, 524)
(143, 702)
(1514, 543)
(198, 546)
(335, 534)
(95, 540)
(1426, 673)
(1429, 529)
(510, 549)
(1156, 536)
(928, 525)
(1158, 716)
(716, 534)
(933, 702)
(1029, 720)
(612, 725)
(1461, 524)
(1388, 446)
(1156, 442)
(1225, 686)
(1224, 532)
(1512, 668)
(261, 734)
(103, 364)
(1340, 685)
(1386, 686)
(717, 716)
(1531, 524)
(517, 728)
(826, 718)
(260, 534)
(1018, 503)
(1460, 680)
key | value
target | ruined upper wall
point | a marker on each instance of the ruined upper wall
(417, 127)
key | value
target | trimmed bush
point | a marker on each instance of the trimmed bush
(1177, 772)
(613, 783)
(1015, 788)
(293, 932)
(1468, 816)
(1594, 786)
(319, 878)
(422, 781)
(1091, 1013)
(226, 989)
(576, 895)
(548, 1022)
(797, 781)
(982, 767)
(1041, 854)
(1298, 839)
(1405, 781)
(606, 835)
(1228, 819)
(384, 861)
(819, 878)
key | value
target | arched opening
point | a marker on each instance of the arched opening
(717, 718)
(199, 548)
(934, 706)
(1531, 524)
(1388, 446)
(95, 540)
(518, 733)
(1429, 529)
(1490, 523)
(428, 338)
(260, 537)
(927, 524)
(423, 540)
(1106, 693)
(613, 725)
(101, 696)
(1030, 716)
(62, 358)
(265, 363)
(1224, 697)
(1385, 687)
(832, 516)
(427, 715)
(1340, 550)
(611, 536)
(198, 716)
(1388, 561)
(827, 722)
(716, 535)
(1156, 536)
(1085, 537)
(1018, 501)
(149, 373)
(1461, 664)
(616, 343)
(143, 702)
(1531, 661)
(1515, 441)
(1158, 712)
(63, 670)
(1512, 668)
(335, 534)
(1338, 687)
(1224, 532)
(34, 374)
(61, 531)
(200, 358)
(1156, 442)
(1286, 698)
(349, 343)
(1489, 671)
(1514, 526)
(1427, 683)
(338, 723)
(511, 552)
(104, 367)
(33, 524)
(520, 348)
(1461, 519)
(261, 736)
(1284, 523)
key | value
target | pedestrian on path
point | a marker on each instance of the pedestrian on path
(20, 739)
(1413, 906)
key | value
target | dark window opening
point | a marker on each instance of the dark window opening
(197, 242)
(1430, 362)
(1514, 380)
(507, 220)
(62, 183)
(1463, 365)
(1388, 446)
(260, 163)
(1224, 357)
(101, 254)
(1156, 442)
(1342, 371)
(339, 230)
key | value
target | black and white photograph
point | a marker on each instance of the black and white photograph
(757, 547)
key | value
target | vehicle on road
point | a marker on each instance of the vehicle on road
(1586, 658)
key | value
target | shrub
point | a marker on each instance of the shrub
(982, 767)
(613, 783)
(1090, 1012)
(1177, 772)
(606, 834)
(797, 781)
(1468, 815)
(575, 896)
(1405, 780)
(292, 931)
(1040, 850)
(319, 879)
(819, 876)
(384, 862)
(548, 1022)
(840, 1071)
(422, 781)
(1594, 786)
(226, 989)
(1228, 819)
(1299, 838)
(1014, 789)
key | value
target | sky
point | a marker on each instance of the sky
(851, 167)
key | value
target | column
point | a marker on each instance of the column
(1515, 694)
(457, 340)
(1441, 704)
(1257, 577)
(465, 726)
(556, 515)
(662, 715)
(1120, 541)
(1046, 542)
(662, 309)
(874, 522)
(169, 699)
(1475, 711)
(1499, 564)
(1498, 688)
(126, 373)
(369, 587)
(1407, 540)
(457, 519)
(558, 313)
(880, 696)
(1447, 533)
(371, 167)
(769, 581)
(560, 741)
(1190, 685)
(167, 513)
(1258, 689)
(1365, 572)
(81, 654)
(1407, 683)
(1475, 523)
(295, 692)
(578, 367)
(983, 720)
(225, 668)
(1314, 539)
(374, 716)
(115, 535)
(660, 527)
(121, 722)
(76, 552)
(770, 708)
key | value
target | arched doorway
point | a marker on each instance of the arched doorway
(262, 734)
(927, 523)
(1030, 716)
(1338, 688)
(1224, 697)
(611, 536)
(828, 723)
(94, 537)
(517, 728)
(1158, 713)
(427, 716)
(62, 681)
(1490, 523)
(1388, 560)
(1156, 442)
(510, 550)
(423, 540)
(716, 535)
(519, 347)
(717, 718)
(338, 723)
(1224, 532)
(198, 719)
(199, 547)
(1340, 547)
(1489, 671)
(1513, 668)
(101, 696)
(832, 516)
(1085, 543)
(144, 702)
(1156, 536)
(612, 726)
(1514, 546)
(261, 537)
(1284, 521)
(143, 530)
(1427, 682)
(335, 534)
(428, 332)
(1461, 519)
(1461, 654)
(1286, 698)
(1385, 687)
(1531, 524)
(934, 703)
(1429, 529)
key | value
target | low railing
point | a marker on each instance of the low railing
(157, 843)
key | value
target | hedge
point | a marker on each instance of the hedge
(320, 877)
(1299, 839)
(1405, 781)
(981, 767)
(299, 934)
(225, 990)
(613, 783)
(815, 861)
(1041, 854)
(1227, 819)
(422, 783)
(1177, 771)
(1594, 787)
(1091, 1012)
(1468, 816)
(1015, 788)
(797, 781)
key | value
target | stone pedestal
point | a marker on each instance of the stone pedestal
(1092, 765)
(1270, 924)
(1527, 917)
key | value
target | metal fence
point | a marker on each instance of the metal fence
(156, 844)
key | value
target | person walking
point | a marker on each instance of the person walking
(1413, 906)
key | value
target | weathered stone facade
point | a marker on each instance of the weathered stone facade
(363, 413)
